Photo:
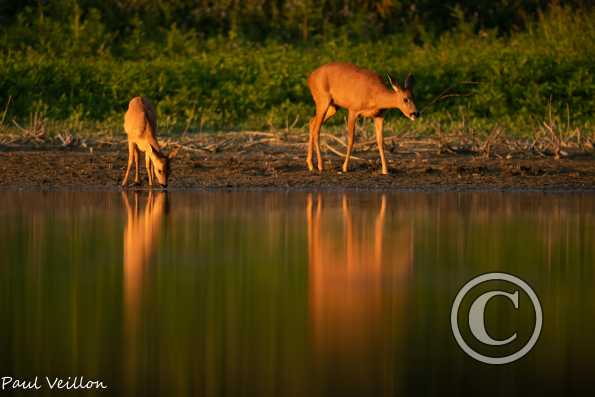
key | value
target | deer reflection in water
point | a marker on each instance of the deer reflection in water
(357, 287)
(141, 236)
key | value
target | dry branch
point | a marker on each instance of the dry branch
(338, 153)
(334, 138)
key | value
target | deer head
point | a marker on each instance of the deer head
(161, 164)
(405, 101)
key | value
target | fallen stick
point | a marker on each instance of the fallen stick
(338, 153)
(324, 135)
(249, 145)
(193, 149)
(259, 133)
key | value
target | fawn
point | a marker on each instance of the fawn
(140, 124)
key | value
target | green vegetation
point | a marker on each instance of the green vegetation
(77, 63)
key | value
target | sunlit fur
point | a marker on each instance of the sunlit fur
(363, 93)
(140, 124)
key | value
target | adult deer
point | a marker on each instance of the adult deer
(362, 93)
(140, 124)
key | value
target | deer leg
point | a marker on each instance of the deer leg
(351, 118)
(330, 112)
(317, 145)
(136, 173)
(310, 145)
(149, 171)
(321, 108)
(130, 159)
(378, 122)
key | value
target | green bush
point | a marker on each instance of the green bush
(481, 79)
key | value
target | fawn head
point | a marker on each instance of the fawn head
(405, 101)
(161, 165)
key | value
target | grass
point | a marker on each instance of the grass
(465, 82)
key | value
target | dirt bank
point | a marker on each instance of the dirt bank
(267, 161)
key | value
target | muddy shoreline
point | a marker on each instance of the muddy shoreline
(265, 164)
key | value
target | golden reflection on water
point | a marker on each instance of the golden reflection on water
(358, 282)
(140, 243)
(285, 294)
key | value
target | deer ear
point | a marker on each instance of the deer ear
(158, 153)
(154, 153)
(173, 153)
(409, 81)
(395, 87)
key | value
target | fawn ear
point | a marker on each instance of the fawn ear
(153, 151)
(409, 81)
(173, 153)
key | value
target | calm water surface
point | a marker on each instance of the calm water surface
(291, 294)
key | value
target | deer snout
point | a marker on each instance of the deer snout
(414, 115)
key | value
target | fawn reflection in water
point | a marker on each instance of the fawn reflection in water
(141, 236)
(358, 274)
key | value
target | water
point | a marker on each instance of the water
(291, 293)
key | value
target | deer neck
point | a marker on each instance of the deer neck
(151, 151)
(387, 100)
